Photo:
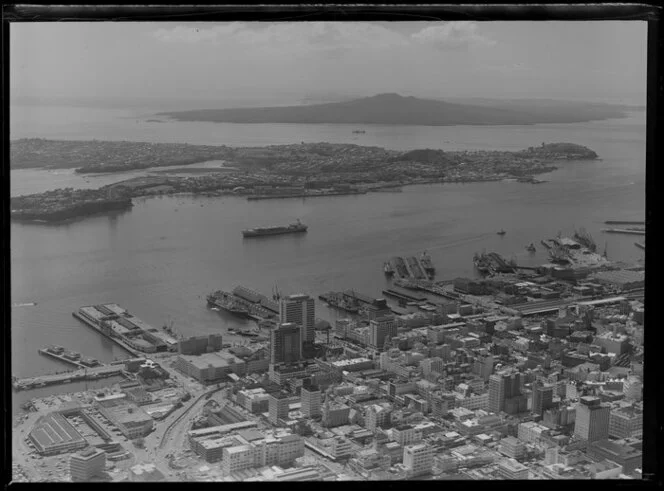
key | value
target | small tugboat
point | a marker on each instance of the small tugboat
(531, 247)
(501, 232)
(387, 268)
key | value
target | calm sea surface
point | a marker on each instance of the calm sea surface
(162, 257)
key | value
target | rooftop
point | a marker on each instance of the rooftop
(54, 429)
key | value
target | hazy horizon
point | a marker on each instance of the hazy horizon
(287, 63)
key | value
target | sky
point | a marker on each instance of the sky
(582, 60)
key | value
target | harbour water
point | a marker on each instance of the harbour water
(161, 258)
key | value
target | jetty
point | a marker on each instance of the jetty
(95, 373)
(624, 222)
(624, 231)
(640, 245)
(69, 357)
(412, 267)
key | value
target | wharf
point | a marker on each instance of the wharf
(437, 290)
(305, 195)
(411, 267)
(623, 231)
(624, 222)
(67, 377)
(68, 357)
(352, 295)
(402, 294)
(117, 341)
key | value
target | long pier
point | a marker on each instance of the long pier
(301, 195)
(66, 377)
(74, 359)
(117, 341)
(624, 222)
(623, 231)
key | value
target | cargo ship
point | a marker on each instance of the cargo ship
(425, 260)
(227, 302)
(341, 302)
(293, 228)
(482, 263)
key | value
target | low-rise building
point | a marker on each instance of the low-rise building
(513, 448)
(87, 463)
(418, 459)
(626, 422)
(627, 456)
(511, 469)
(129, 418)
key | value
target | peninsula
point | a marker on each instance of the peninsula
(398, 110)
(308, 169)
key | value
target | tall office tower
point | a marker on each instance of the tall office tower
(592, 419)
(310, 399)
(483, 366)
(378, 309)
(382, 329)
(300, 309)
(285, 343)
(542, 398)
(278, 407)
(505, 392)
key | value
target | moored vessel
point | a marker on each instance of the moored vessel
(227, 302)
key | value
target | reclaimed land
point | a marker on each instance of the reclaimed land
(399, 110)
(313, 168)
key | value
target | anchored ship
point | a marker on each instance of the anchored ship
(293, 228)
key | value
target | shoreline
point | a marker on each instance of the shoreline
(228, 194)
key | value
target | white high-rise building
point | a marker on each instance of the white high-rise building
(418, 459)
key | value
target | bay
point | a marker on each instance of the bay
(162, 257)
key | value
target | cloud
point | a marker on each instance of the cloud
(189, 34)
(331, 39)
(452, 35)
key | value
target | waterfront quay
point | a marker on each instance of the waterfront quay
(501, 376)
(93, 373)
(126, 330)
(71, 358)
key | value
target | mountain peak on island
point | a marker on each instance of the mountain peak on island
(388, 95)
(395, 109)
